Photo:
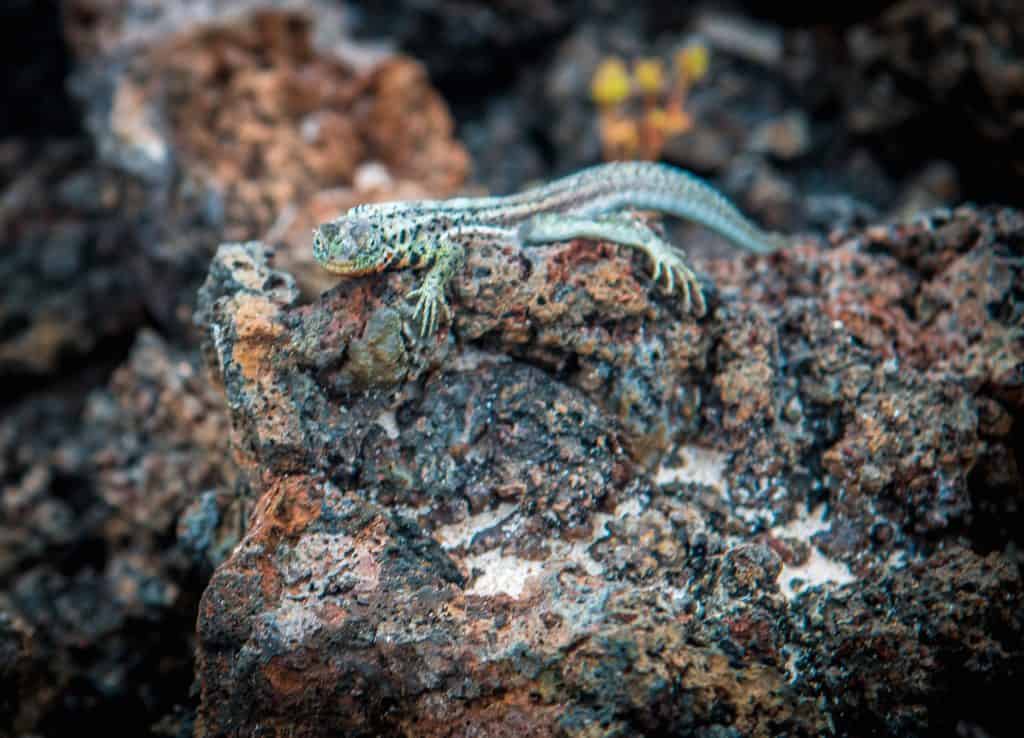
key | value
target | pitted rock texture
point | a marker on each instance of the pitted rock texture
(960, 60)
(67, 264)
(938, 626)
(919, 408)
(250, 119)
(112, 509)
(118, 490)
(579, 511)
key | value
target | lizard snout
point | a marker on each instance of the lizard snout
(321, 240)
(338, 249)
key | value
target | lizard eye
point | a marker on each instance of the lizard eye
(360, 230)
(327, 232)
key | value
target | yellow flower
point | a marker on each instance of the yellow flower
(692, 61)
(610, 84)
(650, 76)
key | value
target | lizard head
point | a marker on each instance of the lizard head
(347, 246)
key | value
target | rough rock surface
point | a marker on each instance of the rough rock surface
(36, 105)
(578, 511)
(66, 271)
(590, 516)
(911, 650)
(250, 119)
(118, 492)
(263, 103)
(229, 125)
(936, 305)
(19, 675)
(959, 60)
(109, 516)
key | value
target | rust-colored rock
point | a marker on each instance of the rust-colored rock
(577, 511)
(109, 515)
(251, 119)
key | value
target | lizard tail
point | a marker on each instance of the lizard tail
(652, 186)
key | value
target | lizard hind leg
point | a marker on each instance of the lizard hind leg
(668, 266)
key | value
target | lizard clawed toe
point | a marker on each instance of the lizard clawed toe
(677, 273)
(428, 305)
(656, 275)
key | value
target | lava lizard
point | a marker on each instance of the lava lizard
(433, 234)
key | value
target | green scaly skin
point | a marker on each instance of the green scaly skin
(591, 204)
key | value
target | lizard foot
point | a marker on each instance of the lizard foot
(431, 302)
(668, 263)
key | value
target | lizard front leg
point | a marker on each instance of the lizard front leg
(448, 257)
(666, 260)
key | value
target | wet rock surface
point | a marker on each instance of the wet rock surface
(579, 511)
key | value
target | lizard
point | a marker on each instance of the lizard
(595, 203)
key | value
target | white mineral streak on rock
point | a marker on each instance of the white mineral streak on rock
(501, 573)
(699, 465)
(818, 569)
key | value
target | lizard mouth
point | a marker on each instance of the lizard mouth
(346, 268)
